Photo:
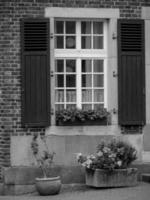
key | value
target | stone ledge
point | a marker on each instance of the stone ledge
(27, 175)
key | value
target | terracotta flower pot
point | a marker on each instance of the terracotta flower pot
(117, 178)
(48, 186)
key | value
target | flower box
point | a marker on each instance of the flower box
(117, 178)
(87, 122)
(78, 117)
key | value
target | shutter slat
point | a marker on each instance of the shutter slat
(35, 36)
(131, 72)
(35, 73)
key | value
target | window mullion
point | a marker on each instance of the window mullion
(78, 85)
(78, 35)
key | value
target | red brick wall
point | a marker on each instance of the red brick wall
(10, 77)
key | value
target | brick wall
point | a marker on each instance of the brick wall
(10, 76)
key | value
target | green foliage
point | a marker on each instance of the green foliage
(111, 155)
(45, 158)
(66, 115)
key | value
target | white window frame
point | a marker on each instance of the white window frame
(109, 14)
(78, 54)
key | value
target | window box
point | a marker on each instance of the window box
(79, 117)
(96, 122)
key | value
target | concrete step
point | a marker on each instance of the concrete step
(146, 177)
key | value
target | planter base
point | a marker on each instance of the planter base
(48, 186)
(118, 178)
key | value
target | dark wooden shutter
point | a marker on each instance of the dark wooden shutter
(131, 72)
(35, 72)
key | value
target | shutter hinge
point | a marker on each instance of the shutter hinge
(114, 36)
(51, 35)
(114, 110)
(115, 74)
(52, 74)
(52, 111)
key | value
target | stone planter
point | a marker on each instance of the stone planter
(118, 178)
(48, 186)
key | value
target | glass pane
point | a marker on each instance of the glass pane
(59, 42)
(98, 95)
(85, 27)
(86, 66)
(70, 27)
(98, 27)
(87, 106)
(98, 65)
(59, 80)
(70, 95)
(70, 66)
(87, 80)
(59, 107)
(59, 66)
(59, 95)
(98, 42)
(98, 80)
(86, 42)
(70, 42)
(98, 106)
(86, 95)
(70, 80)
(59, 28)
(71, 106)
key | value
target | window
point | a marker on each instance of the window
(80, 64)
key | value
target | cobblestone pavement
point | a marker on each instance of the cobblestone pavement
(140, 192)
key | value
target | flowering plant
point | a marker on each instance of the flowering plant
(81, 115)
(111, 155)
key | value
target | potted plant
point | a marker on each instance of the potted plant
(46, 185)
(109, 167)
(67, 117)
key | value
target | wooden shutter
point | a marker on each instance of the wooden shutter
(35, 72)
(131, 72)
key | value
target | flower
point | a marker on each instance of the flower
(119, 163)
(111, 155)
(100, 153)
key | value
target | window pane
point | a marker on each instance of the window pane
(98, 66)
(71, 106)
(86, 95)
(71, 95)
(86, 42)
(59, 95)
(85, 27)
(98, 42)
(59, 66)
(87, 106)
(70, 80)
(98, 80)
(70, 66)
(98, 106)
(87, 80)
(59, 28)
(59, 107)
(59, 80)
(70, 42)
(70, 27)
(59, 42)
(98, 27)
(86, 66)
(98, 95)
